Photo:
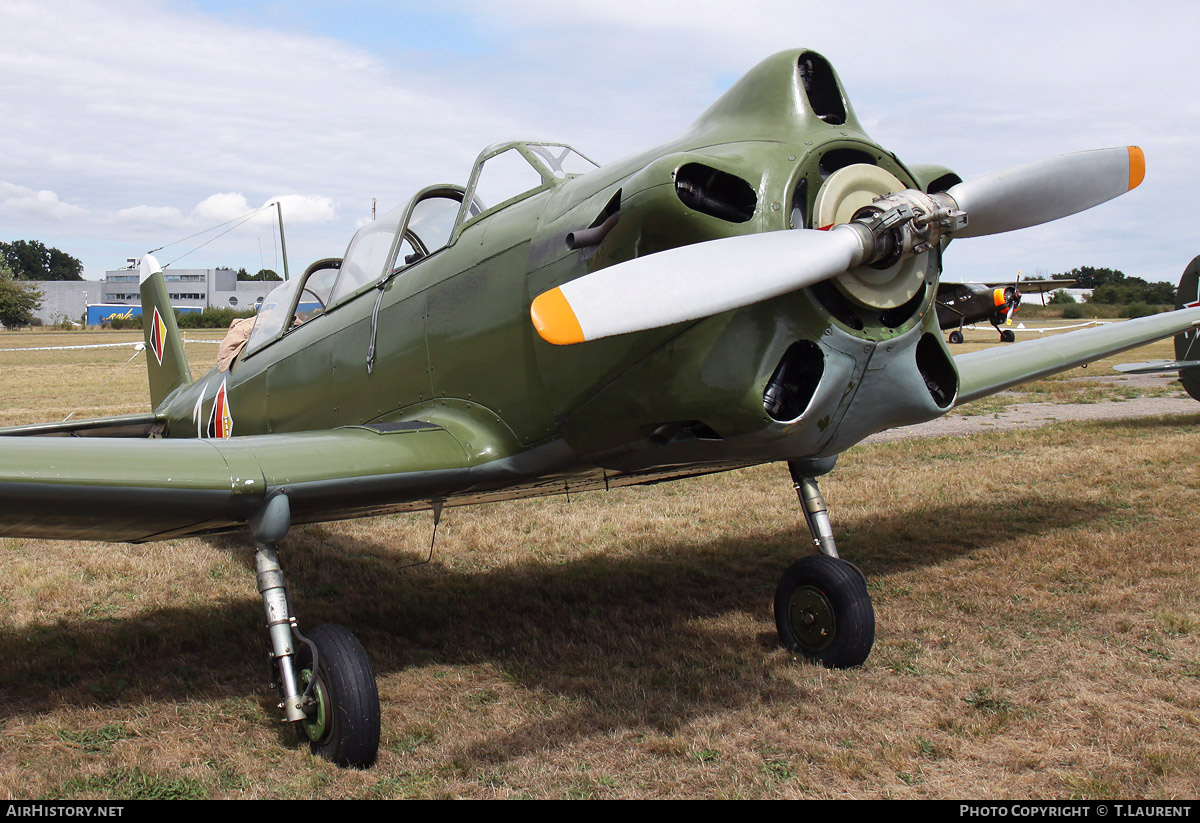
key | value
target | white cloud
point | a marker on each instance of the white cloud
(221, 208)
(225, 207)
(18, 201)
(303, 209)
(151, 216)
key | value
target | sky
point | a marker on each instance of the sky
(129, 126)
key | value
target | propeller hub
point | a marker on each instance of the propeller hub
(903, 224)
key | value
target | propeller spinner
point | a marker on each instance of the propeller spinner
(695, 281)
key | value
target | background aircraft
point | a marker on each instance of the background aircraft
(961, 304)
(762, 288)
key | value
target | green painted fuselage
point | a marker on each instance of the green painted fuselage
(456, 346)
(464, 402)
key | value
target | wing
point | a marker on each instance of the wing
(1034, 286)
(128, 489)
(130, 425)
(992, 370)
(1156, 366)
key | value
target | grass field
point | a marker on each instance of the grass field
(1036, 594)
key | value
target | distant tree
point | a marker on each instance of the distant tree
(261, 274)
(18, 303)
(32, 260)
(5, 272)
(1113, 287)
(1134, 290)
(64, 267)
(1089, 277)
(1108, 294)
(1061, 297)
(1159, 292)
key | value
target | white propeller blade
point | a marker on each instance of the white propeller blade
(1046, 190)
(690, 282)
(703, 279)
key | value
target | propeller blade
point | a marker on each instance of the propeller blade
(1046, 190)
(703, 279)
(694, 281)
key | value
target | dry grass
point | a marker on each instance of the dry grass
(41, 386)
(1038, 636)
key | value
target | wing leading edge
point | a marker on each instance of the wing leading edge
(993, 370)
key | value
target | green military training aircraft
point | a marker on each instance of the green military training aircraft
(761, 289)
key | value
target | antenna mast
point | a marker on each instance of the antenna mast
(282, 241)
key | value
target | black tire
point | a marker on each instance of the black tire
(956, 337)
(823, 611)
(344, 726)
(1007, 336)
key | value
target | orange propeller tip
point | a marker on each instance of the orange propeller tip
(554, 319)
(1137, 167)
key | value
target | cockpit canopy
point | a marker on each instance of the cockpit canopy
(503, 174)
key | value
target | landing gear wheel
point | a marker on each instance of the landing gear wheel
(1007, 336)
(823, 611)
(343, 724)
(956, 337)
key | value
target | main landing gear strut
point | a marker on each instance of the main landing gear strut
(327, 686)
(822, 608)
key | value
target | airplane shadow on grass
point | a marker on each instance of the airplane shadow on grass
(622, 638)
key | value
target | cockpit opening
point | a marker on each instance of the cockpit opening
(407, 235)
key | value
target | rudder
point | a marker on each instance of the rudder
(1187, 344)
(166, 360)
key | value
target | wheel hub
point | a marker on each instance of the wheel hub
(811, 616)
(315, 724)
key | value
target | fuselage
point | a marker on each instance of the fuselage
(803, 375)
(967, 303)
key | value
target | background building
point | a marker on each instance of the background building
(194, 288)
(65, 299)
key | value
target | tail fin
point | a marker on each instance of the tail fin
(165, 357)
